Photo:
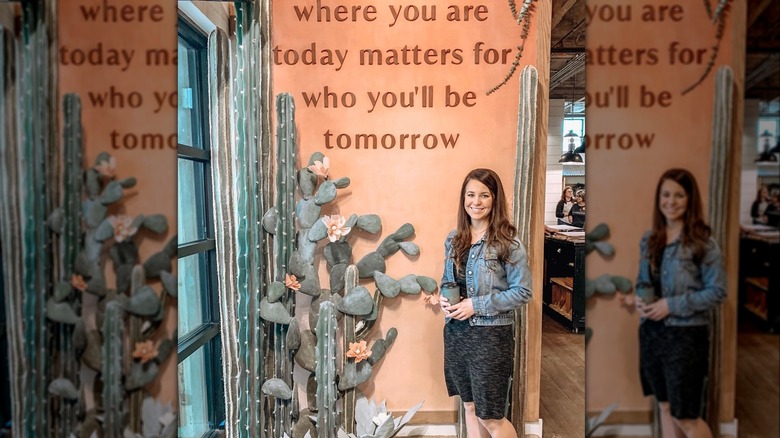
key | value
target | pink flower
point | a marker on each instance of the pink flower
(107, 169)
(359, 351)
(336, 228)
(77, 281)
(432, 299)
(291, 282)
(321, 168)
(145, 351)
(123, 227)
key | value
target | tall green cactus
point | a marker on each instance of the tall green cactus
(113, 391)
(326, 372)
(284, 245)
(348, 332)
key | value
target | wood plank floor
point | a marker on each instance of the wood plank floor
(562, 391)
(758, 382)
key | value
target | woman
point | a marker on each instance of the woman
(577, 213)
(564, 206)
(487, 260)
(681, 264)
(759, 207)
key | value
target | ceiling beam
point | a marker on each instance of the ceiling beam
(561, 12)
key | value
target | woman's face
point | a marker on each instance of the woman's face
(765, 193)
(568, 193)
(478, 201)
(672, 200)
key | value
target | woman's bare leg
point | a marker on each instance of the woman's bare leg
(474, 427)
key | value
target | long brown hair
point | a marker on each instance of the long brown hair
(500, 233)
(563, 195)
(695, 233)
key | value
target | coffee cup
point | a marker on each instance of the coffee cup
(647, 294)
(451, 291)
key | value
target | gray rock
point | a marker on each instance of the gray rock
(409, 248)
(307, 181)
(61, 312)
(112, 192)
(308, 212)
(427, 283)
(357, 301)
(341, 183)
(144, 302)
(337, 278)
(325, 193)
(157, 263)
(269, 220)
(371, 262)
(63, 388)
(318, 231)
(293, 336)
(55, 220)
(170, 283)
(354, 374)
(310, 285)
(79, 337)
(404, 232)
(156, 223)
(337, 253)
(351, 221)
(277, 388)
(388, 247)
(276, 290)
(141, 375)
(311, 393)
(94, 212)
(409, 284)
(274, 312)
(104, 231)
(296, 265)
(305, 356)
(388, 286)
(317, 156)
(62, 291)
(93, 355)
(371, 223)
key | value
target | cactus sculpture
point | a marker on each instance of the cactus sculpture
(113, 393)
(298, 227)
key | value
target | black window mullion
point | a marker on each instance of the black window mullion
(196, 339)
(203, 245)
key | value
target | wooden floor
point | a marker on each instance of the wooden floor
(758, 382)
(562, 392)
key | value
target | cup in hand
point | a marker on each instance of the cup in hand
(647, 294)
(451, 291)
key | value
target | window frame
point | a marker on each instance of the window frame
(207, 335)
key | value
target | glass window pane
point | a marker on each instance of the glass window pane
(193, 291)
(193, 400)
(192, 197)
(190, 112)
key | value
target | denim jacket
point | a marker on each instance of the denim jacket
(496, 289)
(690, 289)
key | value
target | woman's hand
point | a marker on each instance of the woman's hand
(656, 311)
(461, 311)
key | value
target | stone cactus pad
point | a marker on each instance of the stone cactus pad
(274, 312)
(276, 290)
(111, 193)
(156, 223)
(371, 262)
(305, 356)
(341, 183)
(269, 220)
(62, 291)
(409, 248)
(388, 247)
(428, 284)
(293, 336)
(357, 301)
(316, 156)
(104, 231)
(354, 374)
(337, 278)
(310, 285)
(144, 302)
(157, 263)
(141, 375)
(169, 283)
(307, 247)
(296, 265)
(308, 212)
(409, 284)
(307, 181)
(325, 193)
(622, 284)
(370, 223)
(337, 253)
(387, 285)
(277, 388)
(604, 284)
(318, 231)
(63, 388)
(404, 232)
(61, 312)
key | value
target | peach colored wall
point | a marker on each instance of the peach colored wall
(418, 186)
(155, 169)
(622, 182)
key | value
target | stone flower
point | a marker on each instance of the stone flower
(145, 351)
(107, 169)
(77, 281)
(432, 299)
(291, 282)
(336, 228)
(321, 168)
(359, 351)
(123, 227)
(381, 418)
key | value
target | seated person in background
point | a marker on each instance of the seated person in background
(577, 213)
(564, 206)
(760, 205)
(772, 212)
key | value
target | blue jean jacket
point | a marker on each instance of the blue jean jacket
(691, 289)
(496, 289)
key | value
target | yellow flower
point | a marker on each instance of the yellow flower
(291, 282)
(359, 351)
(336, 228)
(123, 227)
(77, 281)
(145, 351)
(107, 169)
(321, 168)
